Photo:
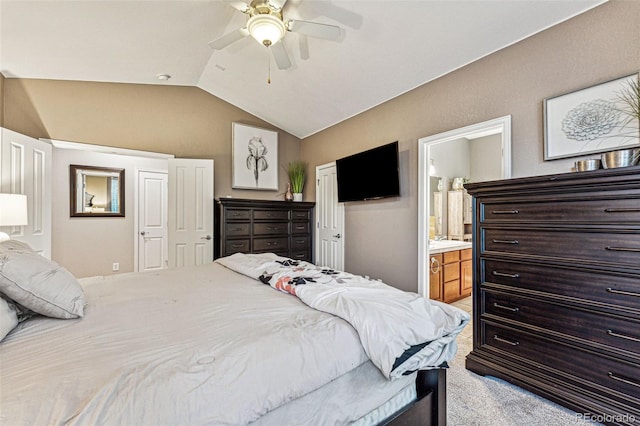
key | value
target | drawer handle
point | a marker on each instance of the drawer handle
(634, 250)
(502, 274)
(236, 229)
(505, 211)
(506, 308)
(272, 243)
(623, 379)
(505, 241)
(623, 336)
(271, 228)
(624, 293)
(300, 241)
(507, 341)
(622, 210)
(301, 227)
(237, 245)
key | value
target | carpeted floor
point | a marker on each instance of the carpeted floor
(474, 400)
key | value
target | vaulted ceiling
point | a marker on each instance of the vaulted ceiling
(386, 48)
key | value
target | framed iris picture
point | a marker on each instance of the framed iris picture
(590, 120)
(255, 158)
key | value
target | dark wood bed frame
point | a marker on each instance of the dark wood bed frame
(430, 406)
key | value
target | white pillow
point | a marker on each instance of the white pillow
(8, 318)
(37, 283)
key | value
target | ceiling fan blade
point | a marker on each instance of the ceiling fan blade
(239, 4)
(279, 3)
(314, 29)
(280, 55)
(227, 39)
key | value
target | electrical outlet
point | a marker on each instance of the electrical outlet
(116, 266)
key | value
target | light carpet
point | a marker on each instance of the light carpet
(474, 400)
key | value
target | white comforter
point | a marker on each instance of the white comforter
(201, 345)
(400, 331)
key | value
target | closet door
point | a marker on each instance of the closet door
(190, 212)
(25, 168)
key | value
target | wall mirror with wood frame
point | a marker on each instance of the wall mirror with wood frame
(96, 191)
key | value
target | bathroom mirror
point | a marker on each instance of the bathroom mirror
(96, 191)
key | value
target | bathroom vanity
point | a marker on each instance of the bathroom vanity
(451, 270)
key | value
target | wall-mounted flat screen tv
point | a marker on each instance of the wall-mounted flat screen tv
(369, 175)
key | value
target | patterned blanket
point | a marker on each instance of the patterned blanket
(400, 331)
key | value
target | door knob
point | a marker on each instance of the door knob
(337, 236)
(208, 237)
(143, 233)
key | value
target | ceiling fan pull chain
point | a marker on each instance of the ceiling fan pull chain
(268, 68)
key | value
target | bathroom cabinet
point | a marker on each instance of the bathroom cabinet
(459, 215)
(450, 276)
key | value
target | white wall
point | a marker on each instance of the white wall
(486, 158)
(90, 246)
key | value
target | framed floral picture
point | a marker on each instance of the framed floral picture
(254, 158)
(590, 120)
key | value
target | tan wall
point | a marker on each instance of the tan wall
(185, 121)
(1, 100)
(381, 236)
(89, 246)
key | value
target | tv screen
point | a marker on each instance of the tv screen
(369, 175)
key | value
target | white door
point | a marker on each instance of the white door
(190, 212)
(25, 168)
(152, 235)
(330, 219)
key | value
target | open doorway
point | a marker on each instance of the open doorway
(431, 145)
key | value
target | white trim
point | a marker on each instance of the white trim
(499, 125)
(106, 149)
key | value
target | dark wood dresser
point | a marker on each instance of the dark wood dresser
(556, 289)
(259, 226)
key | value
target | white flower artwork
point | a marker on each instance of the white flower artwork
(255, 158)
(589, 121)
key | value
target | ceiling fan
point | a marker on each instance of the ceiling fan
(267, 25)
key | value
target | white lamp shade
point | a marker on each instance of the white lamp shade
(266, 29)
(13, 210)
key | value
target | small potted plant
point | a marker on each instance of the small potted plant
(296, 172)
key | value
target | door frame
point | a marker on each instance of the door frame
(498, 125)
(341, 212)
(136, 224)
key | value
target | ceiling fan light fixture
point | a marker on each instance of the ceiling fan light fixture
(266, 29)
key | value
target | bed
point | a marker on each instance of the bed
(213, 344)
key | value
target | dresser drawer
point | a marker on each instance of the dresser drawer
(599, 290)
(270, 244)
(571, 362)
(270, 228)
(301, 255)
(591, 327)
(579, 245)
(299, 243)
(299, 228)
(238, 214)
(234, 229)
(270, 214)
(301, 215)
(571, 211)
(237, 246)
